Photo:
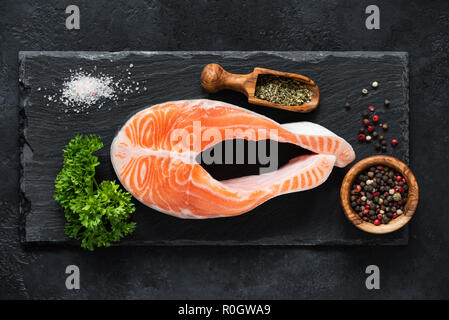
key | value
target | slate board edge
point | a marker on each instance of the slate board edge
(293, 55)
(407, 103)
(24, 204)
(228, 243)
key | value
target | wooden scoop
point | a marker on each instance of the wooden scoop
(214, 78)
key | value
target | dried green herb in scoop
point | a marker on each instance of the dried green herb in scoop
(281, 90)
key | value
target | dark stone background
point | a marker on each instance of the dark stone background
(418, 270)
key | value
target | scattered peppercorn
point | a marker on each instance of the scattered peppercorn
(347, 105)
(394, 142)
(370, 121)
(379, 194)
(375, 84)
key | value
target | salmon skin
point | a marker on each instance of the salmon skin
(154, 156)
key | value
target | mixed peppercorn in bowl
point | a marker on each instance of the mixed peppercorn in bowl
(379, 194)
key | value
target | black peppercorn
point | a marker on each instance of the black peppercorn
(375, 202)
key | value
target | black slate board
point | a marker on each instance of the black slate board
(306, 218)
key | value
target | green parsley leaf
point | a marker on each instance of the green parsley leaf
(96, 214)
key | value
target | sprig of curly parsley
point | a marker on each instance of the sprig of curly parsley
(96, 214)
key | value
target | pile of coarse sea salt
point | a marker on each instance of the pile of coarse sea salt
(84, 90)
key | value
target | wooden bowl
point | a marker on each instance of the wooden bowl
(410, 205)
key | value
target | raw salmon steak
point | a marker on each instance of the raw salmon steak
(154, 156)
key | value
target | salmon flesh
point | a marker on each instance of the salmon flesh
(154, 156)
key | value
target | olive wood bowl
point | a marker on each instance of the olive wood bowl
(214, 78)
(410, 205)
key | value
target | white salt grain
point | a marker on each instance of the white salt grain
(83, 89)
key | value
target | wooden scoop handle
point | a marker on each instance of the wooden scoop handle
(214, 78)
